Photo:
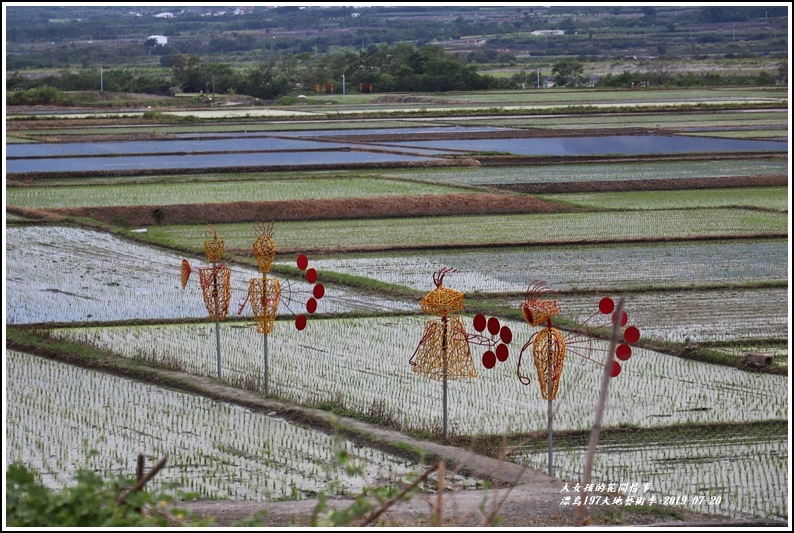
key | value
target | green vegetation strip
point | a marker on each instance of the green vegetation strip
(598, 172)
(666, 120)
(63, 196)
(475, 230)
(765, 198)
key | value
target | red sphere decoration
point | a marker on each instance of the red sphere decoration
(300, 322)
(489, 359)
(493, 325)
(502, 352)
(606, 305)
(623, 319)
(311, 275)
(479, 322)
(631, 335)
(311, 305)
(303, 262)
(318, 291)
(506, 335)
(623, 352)
(615, 369)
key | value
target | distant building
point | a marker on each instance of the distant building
(164, 15)
(162, 40)
(548, 32)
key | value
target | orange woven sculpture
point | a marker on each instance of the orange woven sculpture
(548, 345)
(264, 247)
(214, 280)
(442, 301)
(216, 287)
(444, 341)
(443, 352)
(214, 248)
(264, 293)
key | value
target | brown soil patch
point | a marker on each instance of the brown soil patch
(648, 185)
(317, 209)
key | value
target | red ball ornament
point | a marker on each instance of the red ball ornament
(606, 305)
(631, 335)
(311, 275)
(502, 352)
(318, 291)
(623, 352)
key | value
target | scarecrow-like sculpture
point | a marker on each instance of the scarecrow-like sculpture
(549, 345)
(444, 352)
(215, 284)
(265, 293)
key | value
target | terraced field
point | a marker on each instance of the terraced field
(698, 246)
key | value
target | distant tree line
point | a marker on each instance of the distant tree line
(398, 68)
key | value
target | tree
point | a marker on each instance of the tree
(567, 72)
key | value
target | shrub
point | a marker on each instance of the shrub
(91, 502)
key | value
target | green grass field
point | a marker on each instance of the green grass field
(264, 189)
(765, 198)
(503, 229)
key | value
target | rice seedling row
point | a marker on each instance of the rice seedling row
(61, 196)
(478, 229)
(606, 267)
(58, 413)
(598, 172)
(667, 120)
(60, 274)
(746, 471)
(364, 362)
(700, 316)
(766, 198)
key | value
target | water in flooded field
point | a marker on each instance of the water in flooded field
(277, 149)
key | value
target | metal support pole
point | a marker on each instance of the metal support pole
(550, 355)
(445, 372)
(217, 321)
(602, 397)
(218, 342)
(267, 377)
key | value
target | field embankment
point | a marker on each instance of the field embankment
(318, 209)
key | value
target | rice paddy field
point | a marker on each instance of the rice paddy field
(704, 273)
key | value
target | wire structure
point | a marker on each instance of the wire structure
(215, 282)
(264, 293)
(444, 351)
(549, 346)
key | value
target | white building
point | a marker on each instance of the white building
(161, 39)
(165, 15)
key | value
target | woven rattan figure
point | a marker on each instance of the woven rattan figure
(548, 345)
(443, 352)
(215, 280)
(264, 293)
